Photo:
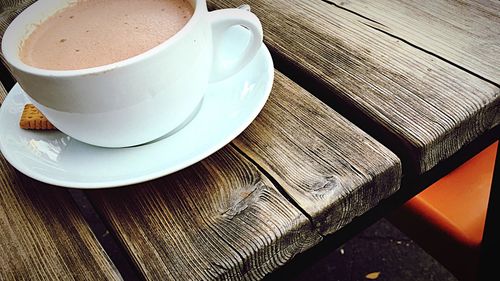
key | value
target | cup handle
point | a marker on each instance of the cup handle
(223, 19)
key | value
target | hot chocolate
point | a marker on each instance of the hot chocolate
(92, 33)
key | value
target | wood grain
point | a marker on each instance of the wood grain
(220, 219)
(331, 168)
(466, 33)
(43, 235)
(223, 219)
(422, 107)
(3, 93)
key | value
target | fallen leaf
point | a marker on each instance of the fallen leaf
(373, 275)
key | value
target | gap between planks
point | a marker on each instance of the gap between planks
(381, 27)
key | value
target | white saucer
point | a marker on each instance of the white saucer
(55, 158)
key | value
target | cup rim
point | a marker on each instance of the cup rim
(13, 57)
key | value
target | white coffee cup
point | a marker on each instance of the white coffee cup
(139, 99)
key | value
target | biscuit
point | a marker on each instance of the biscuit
(33, 119)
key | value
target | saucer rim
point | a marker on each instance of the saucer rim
(153, 175)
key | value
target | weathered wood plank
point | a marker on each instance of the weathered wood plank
(226, 218)
(331, 168)
(466, 33)
(427, 108)
(220, 219)
(43, 235)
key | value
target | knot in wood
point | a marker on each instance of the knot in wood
(326, 185)
(243, 198)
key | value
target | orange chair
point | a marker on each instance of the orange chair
(447, 219)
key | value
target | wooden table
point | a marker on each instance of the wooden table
(372, 101)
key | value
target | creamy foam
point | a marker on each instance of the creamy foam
(92, 33)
